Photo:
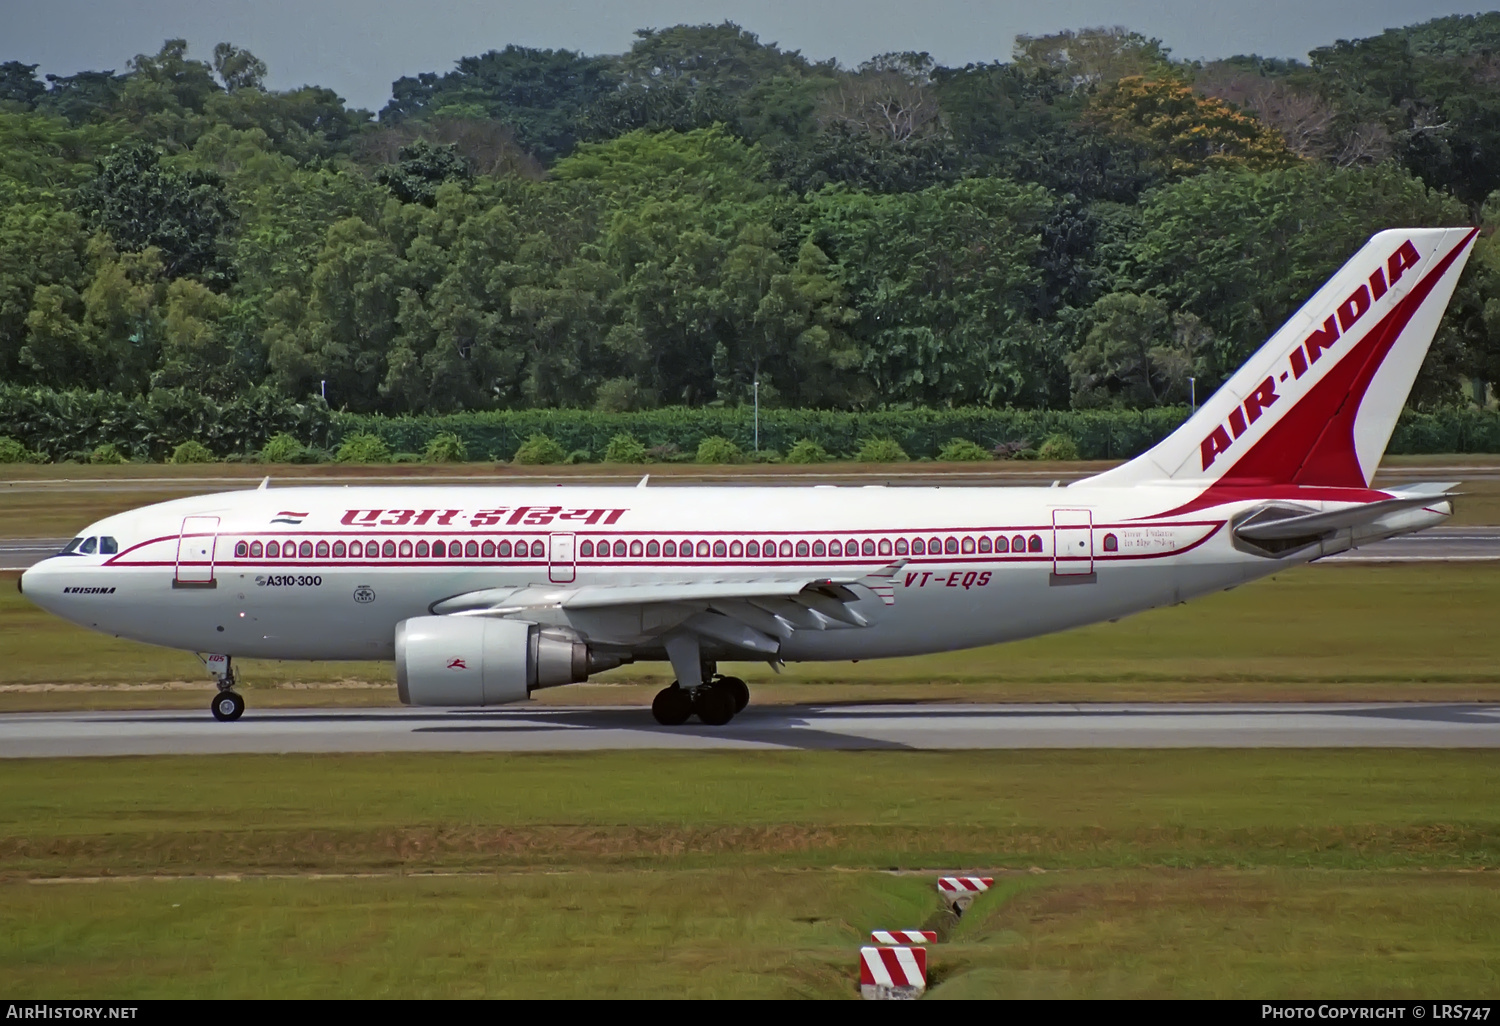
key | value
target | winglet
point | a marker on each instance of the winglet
(264, 483)
(643, 481)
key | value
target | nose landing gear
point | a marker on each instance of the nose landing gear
(227, 704)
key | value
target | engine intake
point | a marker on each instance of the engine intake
(473, 660)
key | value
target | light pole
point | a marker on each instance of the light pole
(757, 414)
(1193, 392)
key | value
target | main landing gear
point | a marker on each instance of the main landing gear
(714, 703)
(227, 704)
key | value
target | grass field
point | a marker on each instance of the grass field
(1172, 873)
(1350, 632)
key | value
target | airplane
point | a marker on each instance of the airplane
(482, 595)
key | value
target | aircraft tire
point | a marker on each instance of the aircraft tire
(714, 705)
(738, 688)
(227, 705)
(672, 706)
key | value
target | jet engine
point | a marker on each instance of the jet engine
(474, 660)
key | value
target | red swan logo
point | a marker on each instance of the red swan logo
(458, 664)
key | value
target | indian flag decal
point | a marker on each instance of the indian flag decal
(288, 516)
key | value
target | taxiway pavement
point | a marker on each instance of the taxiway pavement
(881, 727)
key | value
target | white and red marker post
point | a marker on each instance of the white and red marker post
(958, 892)
(903, 936)
(892, 973)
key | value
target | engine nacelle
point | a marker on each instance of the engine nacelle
(476, 660)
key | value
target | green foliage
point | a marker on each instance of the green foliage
(363, 448)
(623, 448)
(1057, 447)
(12, 451)
(718, 449)
(192, 451)
(283, 448)
(106, 454)
(880, 450)
(961, 450)
(807, 451)
(445, 448)
(540, 449)
(421, 168)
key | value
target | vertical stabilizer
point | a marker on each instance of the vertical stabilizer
(1316, 405)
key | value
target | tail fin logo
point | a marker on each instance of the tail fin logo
(1301, 359)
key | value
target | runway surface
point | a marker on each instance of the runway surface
(889, 727)
(1437, 544)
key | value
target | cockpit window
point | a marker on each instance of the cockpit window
(71, 547)
(108, 546)
(88, 546)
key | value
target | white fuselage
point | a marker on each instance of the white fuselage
(276, 573)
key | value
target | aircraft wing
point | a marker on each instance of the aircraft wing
(1274, 525)
(751, 613)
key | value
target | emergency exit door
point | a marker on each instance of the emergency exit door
(1072, 542)
(195, 552)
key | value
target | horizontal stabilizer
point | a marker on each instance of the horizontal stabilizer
(1273, 525)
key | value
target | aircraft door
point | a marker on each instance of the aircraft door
(562, 564)
(195, 552)
(1072, 542)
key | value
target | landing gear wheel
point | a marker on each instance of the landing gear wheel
(227, 705)
(738, 688)
(672, 706)
(714, 705)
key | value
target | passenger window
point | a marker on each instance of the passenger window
(786, 548)
(619, 548)
(835, 548)
(802, 549)
(538, 550)
(108, 546)
(405, 549)
(736, 550)
(487, 550)
(305, 550)
(471, 549)
(968, 545)
(502, 550)
(885, 546)
(752, 549)
(669, 549)
(241, 550)
(918, 547)
(273, 549)
(1018, 544)
(422, 550)
(586, 548)
(636, 548)
(720, 549)
(388, 550)
(322, 550)
(984, 544)
(653, 549)
(768, 548)
(819, 548)
(88, 546)
(685, 549)
(868, 548)
(851, 547)
(255, 550)
(1111, 543)
(901, 548)
(703, 548)
(1034, 543)
(934, 545)
(439, 550)
(1002, 544)
(950, 545)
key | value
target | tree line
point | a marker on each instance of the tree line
(1089, 224)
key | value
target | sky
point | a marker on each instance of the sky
(358, 47)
